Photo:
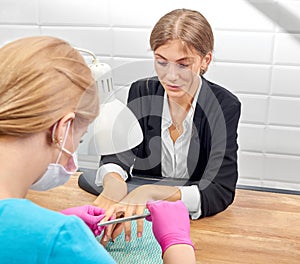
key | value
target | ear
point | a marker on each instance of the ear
(206, 60)
(59, 130)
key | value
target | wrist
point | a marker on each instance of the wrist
(114, 187)
(161, 192)
(177, 239)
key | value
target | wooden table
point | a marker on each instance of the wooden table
(259, 227)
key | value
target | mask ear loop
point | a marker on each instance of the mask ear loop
(53, 133)
(64, 140)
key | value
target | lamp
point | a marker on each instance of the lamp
(116, 128)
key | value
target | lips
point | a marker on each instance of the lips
(173, 87)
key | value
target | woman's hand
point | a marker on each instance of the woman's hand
(135, 203)
(114, 190)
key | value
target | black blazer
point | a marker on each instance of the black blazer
(212, 156)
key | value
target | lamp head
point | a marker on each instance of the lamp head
(116, 129)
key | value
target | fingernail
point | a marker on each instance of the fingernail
(105, 238)
(127, 238)
(139, 234)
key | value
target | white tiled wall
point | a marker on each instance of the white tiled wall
(256, 56)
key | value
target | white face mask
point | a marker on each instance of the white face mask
(57, 174)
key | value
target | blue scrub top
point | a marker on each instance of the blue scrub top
(32, 234)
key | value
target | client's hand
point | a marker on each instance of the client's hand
(114, 190)
(170, 223)
(91, 215)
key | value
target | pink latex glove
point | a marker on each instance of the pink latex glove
(90, 214)
(170, 223)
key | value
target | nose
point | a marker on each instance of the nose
(172, 72)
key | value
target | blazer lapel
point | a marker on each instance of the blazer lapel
(194, 148)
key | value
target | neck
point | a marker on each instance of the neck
(22, 161)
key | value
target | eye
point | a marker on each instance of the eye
(182, 65)
(162, 62)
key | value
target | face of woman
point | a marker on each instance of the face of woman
(178, 69)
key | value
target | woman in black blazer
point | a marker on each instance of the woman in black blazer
(189, 151)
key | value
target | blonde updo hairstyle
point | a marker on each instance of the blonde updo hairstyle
(189, 26)
(42, 79)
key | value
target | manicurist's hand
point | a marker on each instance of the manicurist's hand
(91, 215)
(170, 223)
(171, 228)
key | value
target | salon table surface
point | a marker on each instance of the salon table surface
(259, 227)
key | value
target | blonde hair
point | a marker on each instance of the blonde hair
(42, 79)
(189, 26)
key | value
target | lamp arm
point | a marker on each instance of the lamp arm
(88, 52)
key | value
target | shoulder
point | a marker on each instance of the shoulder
(223, 95)
(147, 86)
(64, 238)
(36, 217)
(24, 207)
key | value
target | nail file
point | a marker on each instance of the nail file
(123, 219)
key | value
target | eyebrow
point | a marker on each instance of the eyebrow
(181, 59)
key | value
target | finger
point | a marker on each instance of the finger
(105, 238)
(113, 211)
(111, 214)
(97, 219)
(98, 230)
(127, 225)
(117, 231)
(149, 218)
(107, 231)
(140, 222)
(98, 211)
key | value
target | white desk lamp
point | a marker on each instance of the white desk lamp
(116, 128)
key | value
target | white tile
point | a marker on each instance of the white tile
(131, 43)
(98, 40)
(289, 15)
(251, 137)
(144, 13)
(282, 140)
(18, 12)
(10, 33)
(284, 111)
(254, 47)
(242, 15)
(254, 108)
(280, 185)
(241, 78)
(250, 165)
(282, 168)
(285, 80)
(126, 71)
(286, 49)
(74, 12)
